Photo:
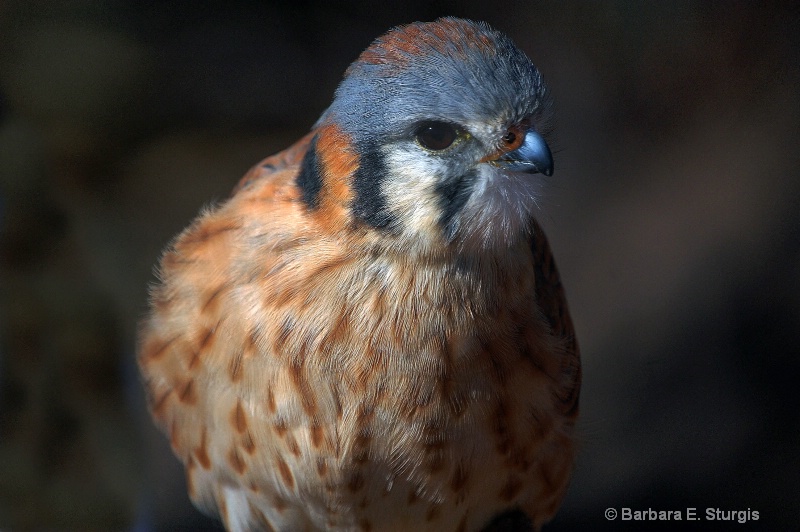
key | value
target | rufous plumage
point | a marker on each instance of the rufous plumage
(371, 333)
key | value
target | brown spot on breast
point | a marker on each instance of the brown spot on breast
(291, 444)
(235, 366)
(316, 434)
(193, 359)
(434, 461)
(548, 477)
(251, 345)
(433, 512)
(518, 458)
(501, 428)
(247, 443)
(329, 265)
(205, 339)
(450, 392)
(223, 507)
(460, 477)
(208, 229)
(322, 467)
(212, 298)
(434, 445)
(458, 404)
(297, 374)
(365, 525)
(356, 482)
(237, 360)
(160, 403)
(190, 467)
(340, 329)
(187, 393)
(284, 296)
(361, 445)
(173, 260)
(280, 427)
(236, 461)
(173, 435)
(365, 370)
(264, 523)
(462, 525)
(238, 419)
(499, 370)
(366, 411)
(412, 496)
(279, 503)
(510, 489)
(201, 452)
(286, 473)
(271, 401)
(154, 348)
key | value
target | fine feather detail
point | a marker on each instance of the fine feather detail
(382, 342)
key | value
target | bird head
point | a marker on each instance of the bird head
(433, 138)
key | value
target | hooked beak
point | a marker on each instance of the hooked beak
(532, 156)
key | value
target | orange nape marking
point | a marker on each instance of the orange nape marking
(511, 140)
(449, 37)
(339, 161)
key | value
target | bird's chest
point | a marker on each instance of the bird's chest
(408, 397)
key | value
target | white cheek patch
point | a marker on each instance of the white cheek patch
(499, 209)
(497, 212)
(411, 192)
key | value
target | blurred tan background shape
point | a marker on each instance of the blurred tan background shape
(673, 213)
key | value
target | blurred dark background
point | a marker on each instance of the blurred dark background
(674, 215)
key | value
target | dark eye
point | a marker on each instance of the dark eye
(435, 136)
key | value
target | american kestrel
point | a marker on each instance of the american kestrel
(370, 333)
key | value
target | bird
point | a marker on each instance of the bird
(370, 332)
